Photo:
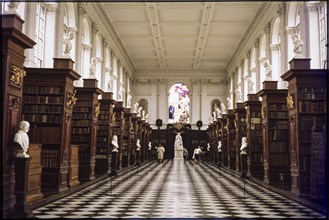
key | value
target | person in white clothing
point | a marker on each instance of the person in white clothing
(196, 154)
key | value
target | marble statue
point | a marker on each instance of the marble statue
(22, 139)
(114, 143)
(244, 145)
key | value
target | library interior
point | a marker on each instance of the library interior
(164, 109)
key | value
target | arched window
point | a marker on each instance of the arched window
(179, 104)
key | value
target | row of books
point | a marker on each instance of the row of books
(278, 147)
(84, 130)
(81, 123)
(81, 115)
(312, 107)
(279, 159)
(78, 108)
(42, 99)
(313, 96)
(53, 109)
(80, 138)
(278, 115)
(278, 124)
(43, 89)
(277, 107)
(312, 90)
(281, 135)
(49, 158)
(37, 118)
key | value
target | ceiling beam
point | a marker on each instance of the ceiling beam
(155, 27)
(205, 23)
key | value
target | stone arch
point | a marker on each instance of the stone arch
(144, 104)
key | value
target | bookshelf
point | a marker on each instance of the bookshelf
(118, 124)
(14, 43)
(217, 137)
(275, 132)
(148, 139)
(143, 141)
(319, 173)
(126, 138)
(133, 139)
(84, 127)
(307, 102)
(48, 98)
(104, 135)
(224, 140)
(254, 136)
(138, 136)
(231, 142)
(240, 131)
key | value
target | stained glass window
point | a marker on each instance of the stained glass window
(179, 104)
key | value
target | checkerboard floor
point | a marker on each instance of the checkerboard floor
(175, 189)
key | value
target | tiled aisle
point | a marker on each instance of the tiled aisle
(175, 189)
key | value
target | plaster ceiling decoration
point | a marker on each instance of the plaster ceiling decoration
(187, 36)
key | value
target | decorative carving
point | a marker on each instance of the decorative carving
(17, 75)
(290, 101)
(14, 103)
(97, 109)
(71, 99)
(264, 112)
(113, 118)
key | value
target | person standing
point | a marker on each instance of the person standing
(160, 152)
(196, 154)
(185, 154)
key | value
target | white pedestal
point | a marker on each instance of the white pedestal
(179, 154)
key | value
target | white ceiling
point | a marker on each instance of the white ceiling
(181, 35)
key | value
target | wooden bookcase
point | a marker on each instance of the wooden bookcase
(240, 131)
(231, 142)
(143, 141)
(139, 136)
(275, 132)
(118, 126)
(254, 136)
(217, 136)
(104, 135)
(126, 138)
(319, 163)
(14, 43)
(224, 136)
(84, 127)
(48, 98)
(133, 139)
(307, 102)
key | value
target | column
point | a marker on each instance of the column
(195, 101)
(204, 106)
(53, 30)
(163, 100)
(154, 100)
(313, 49)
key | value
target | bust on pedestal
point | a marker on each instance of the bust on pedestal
(115, 151)
(243, 155)
(22, 139)
(138, 151)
